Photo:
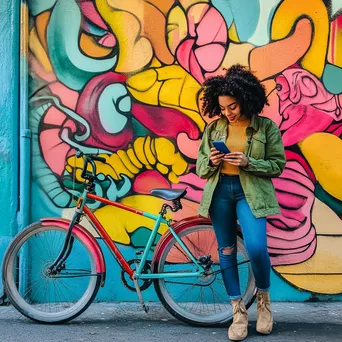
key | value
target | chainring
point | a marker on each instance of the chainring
(143, 283)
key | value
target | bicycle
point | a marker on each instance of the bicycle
(53, 269)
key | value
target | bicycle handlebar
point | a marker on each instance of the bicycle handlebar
(89, 159)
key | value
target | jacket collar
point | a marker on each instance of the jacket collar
(255, 122)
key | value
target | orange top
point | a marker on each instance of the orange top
(236, 142)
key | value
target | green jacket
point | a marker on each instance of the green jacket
(266, 159)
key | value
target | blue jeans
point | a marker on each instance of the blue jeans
(228, 205)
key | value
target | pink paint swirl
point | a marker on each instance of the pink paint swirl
(204, 49)
(305, 105)
(291, 234)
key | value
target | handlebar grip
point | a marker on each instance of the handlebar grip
(89, 159)
(101, 159)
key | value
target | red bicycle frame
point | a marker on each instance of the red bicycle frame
(103, 233)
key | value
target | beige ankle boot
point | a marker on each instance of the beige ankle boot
(265, 319)
(239, 328)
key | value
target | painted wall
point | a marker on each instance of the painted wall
(121, 78)
(9, 133)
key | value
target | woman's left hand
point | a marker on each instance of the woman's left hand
(236, 159)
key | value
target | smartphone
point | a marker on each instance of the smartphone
(221, 146)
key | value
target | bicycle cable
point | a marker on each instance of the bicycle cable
(73, 181)
(221, 270)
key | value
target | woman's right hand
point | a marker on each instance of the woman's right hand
(215, 156)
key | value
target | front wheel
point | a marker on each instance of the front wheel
(44, 297)
(200, 300)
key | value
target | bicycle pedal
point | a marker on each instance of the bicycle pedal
(138, 253)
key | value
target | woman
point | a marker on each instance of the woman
(239, 184)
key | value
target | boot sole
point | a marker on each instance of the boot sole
(266, 332)
(239, 339)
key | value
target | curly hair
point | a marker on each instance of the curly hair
(237, 82)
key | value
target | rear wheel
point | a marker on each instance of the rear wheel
(199, 300)
(44, 297)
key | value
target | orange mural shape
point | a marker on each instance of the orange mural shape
(269, 60)
(288, 13)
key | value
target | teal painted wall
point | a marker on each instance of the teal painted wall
(9, 121)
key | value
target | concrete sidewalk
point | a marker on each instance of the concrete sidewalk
(300, 322)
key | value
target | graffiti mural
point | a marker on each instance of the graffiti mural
(122, 79)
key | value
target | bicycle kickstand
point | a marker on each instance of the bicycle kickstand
(141, 300)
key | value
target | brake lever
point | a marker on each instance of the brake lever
(79, 154)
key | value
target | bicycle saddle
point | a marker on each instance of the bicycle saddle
(169, 194)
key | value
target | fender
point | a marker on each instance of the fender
(85, 236)
(192, 220)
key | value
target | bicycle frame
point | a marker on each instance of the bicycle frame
(55, 273)
(138, 274)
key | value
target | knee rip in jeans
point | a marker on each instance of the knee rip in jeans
(228, 250)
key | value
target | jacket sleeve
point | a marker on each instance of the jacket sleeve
(203, 168)
(275, 160)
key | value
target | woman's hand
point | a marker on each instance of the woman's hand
(215, 156)
(236, 159)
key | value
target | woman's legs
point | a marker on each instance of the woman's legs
(223, 216)
(255, 240)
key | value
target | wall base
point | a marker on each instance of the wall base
(4, 242)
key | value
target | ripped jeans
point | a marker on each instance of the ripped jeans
(228, 205)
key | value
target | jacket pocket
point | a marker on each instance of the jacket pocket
(258, 146)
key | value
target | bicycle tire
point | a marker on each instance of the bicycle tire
(179, 310)
(15, 255)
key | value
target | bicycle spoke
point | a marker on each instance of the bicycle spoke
(186, 291)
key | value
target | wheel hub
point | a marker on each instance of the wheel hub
(208, 277)
(209, 274)
(47, 272)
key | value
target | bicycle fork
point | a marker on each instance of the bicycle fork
(58, 264)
